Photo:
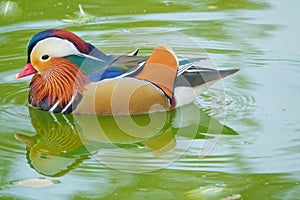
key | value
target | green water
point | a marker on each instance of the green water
(88, 157)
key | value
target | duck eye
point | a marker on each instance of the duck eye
(45, 57)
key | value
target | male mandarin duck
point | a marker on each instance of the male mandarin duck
(73, 76)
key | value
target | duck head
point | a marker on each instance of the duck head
(54, 57)
(48, 45)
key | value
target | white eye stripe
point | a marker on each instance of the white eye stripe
(54, 47)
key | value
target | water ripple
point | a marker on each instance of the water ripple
(13, 107)
(238, 103)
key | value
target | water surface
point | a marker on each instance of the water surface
(261, 162)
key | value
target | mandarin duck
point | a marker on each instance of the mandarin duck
(73, 76)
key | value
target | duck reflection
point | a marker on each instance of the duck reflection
(128, 143)
(56, 148)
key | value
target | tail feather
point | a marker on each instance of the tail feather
(195, 81)
(200, 77)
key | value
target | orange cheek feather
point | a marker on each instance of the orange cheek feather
(58, 80)
(41, 66)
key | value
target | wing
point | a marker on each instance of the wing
(120, 66)
(112, 66)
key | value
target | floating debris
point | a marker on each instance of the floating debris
(233, 197)
(9, 9)
(81, 17)
(36, 182)
(212, 7)
(207, 192)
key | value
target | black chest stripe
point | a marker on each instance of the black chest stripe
(68, 105)
(54, 106)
